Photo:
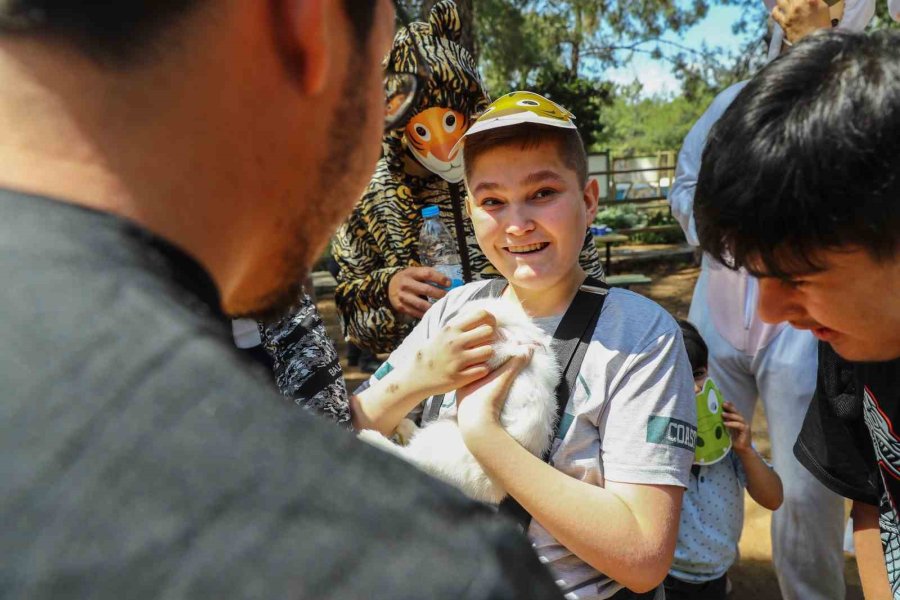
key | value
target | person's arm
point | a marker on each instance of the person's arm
(626, 531)
(869, 552)
(379, 285)
(763, 483)
(799, 18)
(361, 295)
(687, 169)
(454, 357)
(645, 468)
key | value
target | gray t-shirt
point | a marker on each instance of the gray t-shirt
(632, 418)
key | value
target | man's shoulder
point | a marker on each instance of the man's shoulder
(134, 428)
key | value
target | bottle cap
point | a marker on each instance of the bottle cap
(431, 211)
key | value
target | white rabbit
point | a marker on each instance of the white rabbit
(529, 414)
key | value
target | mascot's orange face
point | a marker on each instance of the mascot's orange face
(431, 136)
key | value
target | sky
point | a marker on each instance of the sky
(656, 76)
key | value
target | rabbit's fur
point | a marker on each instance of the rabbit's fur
(529, 414)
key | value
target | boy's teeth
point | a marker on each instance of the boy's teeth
(529, 248)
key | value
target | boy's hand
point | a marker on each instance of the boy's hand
(407, 288)
(479, 403)
(741, 436)
(456, 356)
(799, 18)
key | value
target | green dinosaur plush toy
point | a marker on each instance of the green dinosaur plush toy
(713, 439)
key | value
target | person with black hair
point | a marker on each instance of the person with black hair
(799, 185)
(712, 510)
(748, 356)
(166, 165)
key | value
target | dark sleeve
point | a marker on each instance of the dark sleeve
(187, 476)
(834, 444)
(306, 364)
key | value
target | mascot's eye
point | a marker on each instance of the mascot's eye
(527, 103)
(713, 404)
(423, 132)
(449, 122)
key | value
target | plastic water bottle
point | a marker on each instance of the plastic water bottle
(437, 248)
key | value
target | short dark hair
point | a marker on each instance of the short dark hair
(807, 158)
(119, 32)
(529, 135)
(697, 351)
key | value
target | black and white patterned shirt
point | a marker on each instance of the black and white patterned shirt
(307, 368)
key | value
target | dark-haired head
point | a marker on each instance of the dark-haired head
(124, 31)
(697, 351)
(807, 159)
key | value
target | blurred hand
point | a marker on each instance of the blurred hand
(799, 18)
(407, 288)
(456, 356)
(741, 436)
(479, 404)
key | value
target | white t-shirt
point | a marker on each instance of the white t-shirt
(632, 417)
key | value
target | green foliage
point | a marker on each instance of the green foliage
(625, 216)
(638, 126)
(629, 216)
(520, 38)
(588, 100)
(882, 18)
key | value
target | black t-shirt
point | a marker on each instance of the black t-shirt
(850, 442)
(142, 456)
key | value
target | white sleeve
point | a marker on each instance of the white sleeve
(681, 196)
(650, 429)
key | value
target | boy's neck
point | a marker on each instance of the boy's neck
(548, 302)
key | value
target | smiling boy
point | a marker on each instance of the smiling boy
(605, 508)
(800, 184)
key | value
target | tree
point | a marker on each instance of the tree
(883, 18)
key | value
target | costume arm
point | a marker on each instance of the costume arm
(869, 552)
(362, 292)
(590, 258)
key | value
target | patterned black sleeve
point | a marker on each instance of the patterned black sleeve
(307, 368)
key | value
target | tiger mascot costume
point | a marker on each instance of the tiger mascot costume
(417, 168)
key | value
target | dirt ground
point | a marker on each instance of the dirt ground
(753, 577)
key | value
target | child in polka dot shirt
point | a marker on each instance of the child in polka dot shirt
(712, 513)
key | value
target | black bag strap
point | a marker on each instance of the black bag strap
(570, 344)
(459, 225)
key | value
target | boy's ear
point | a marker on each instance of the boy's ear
(466, 201)
(591, 196)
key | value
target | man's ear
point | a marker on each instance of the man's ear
(305, 31)
(466, 202)
(591, 196)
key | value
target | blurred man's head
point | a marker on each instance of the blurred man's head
(242, 131)
(800, 184)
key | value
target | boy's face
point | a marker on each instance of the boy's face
(530, 213)
(853, 304)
